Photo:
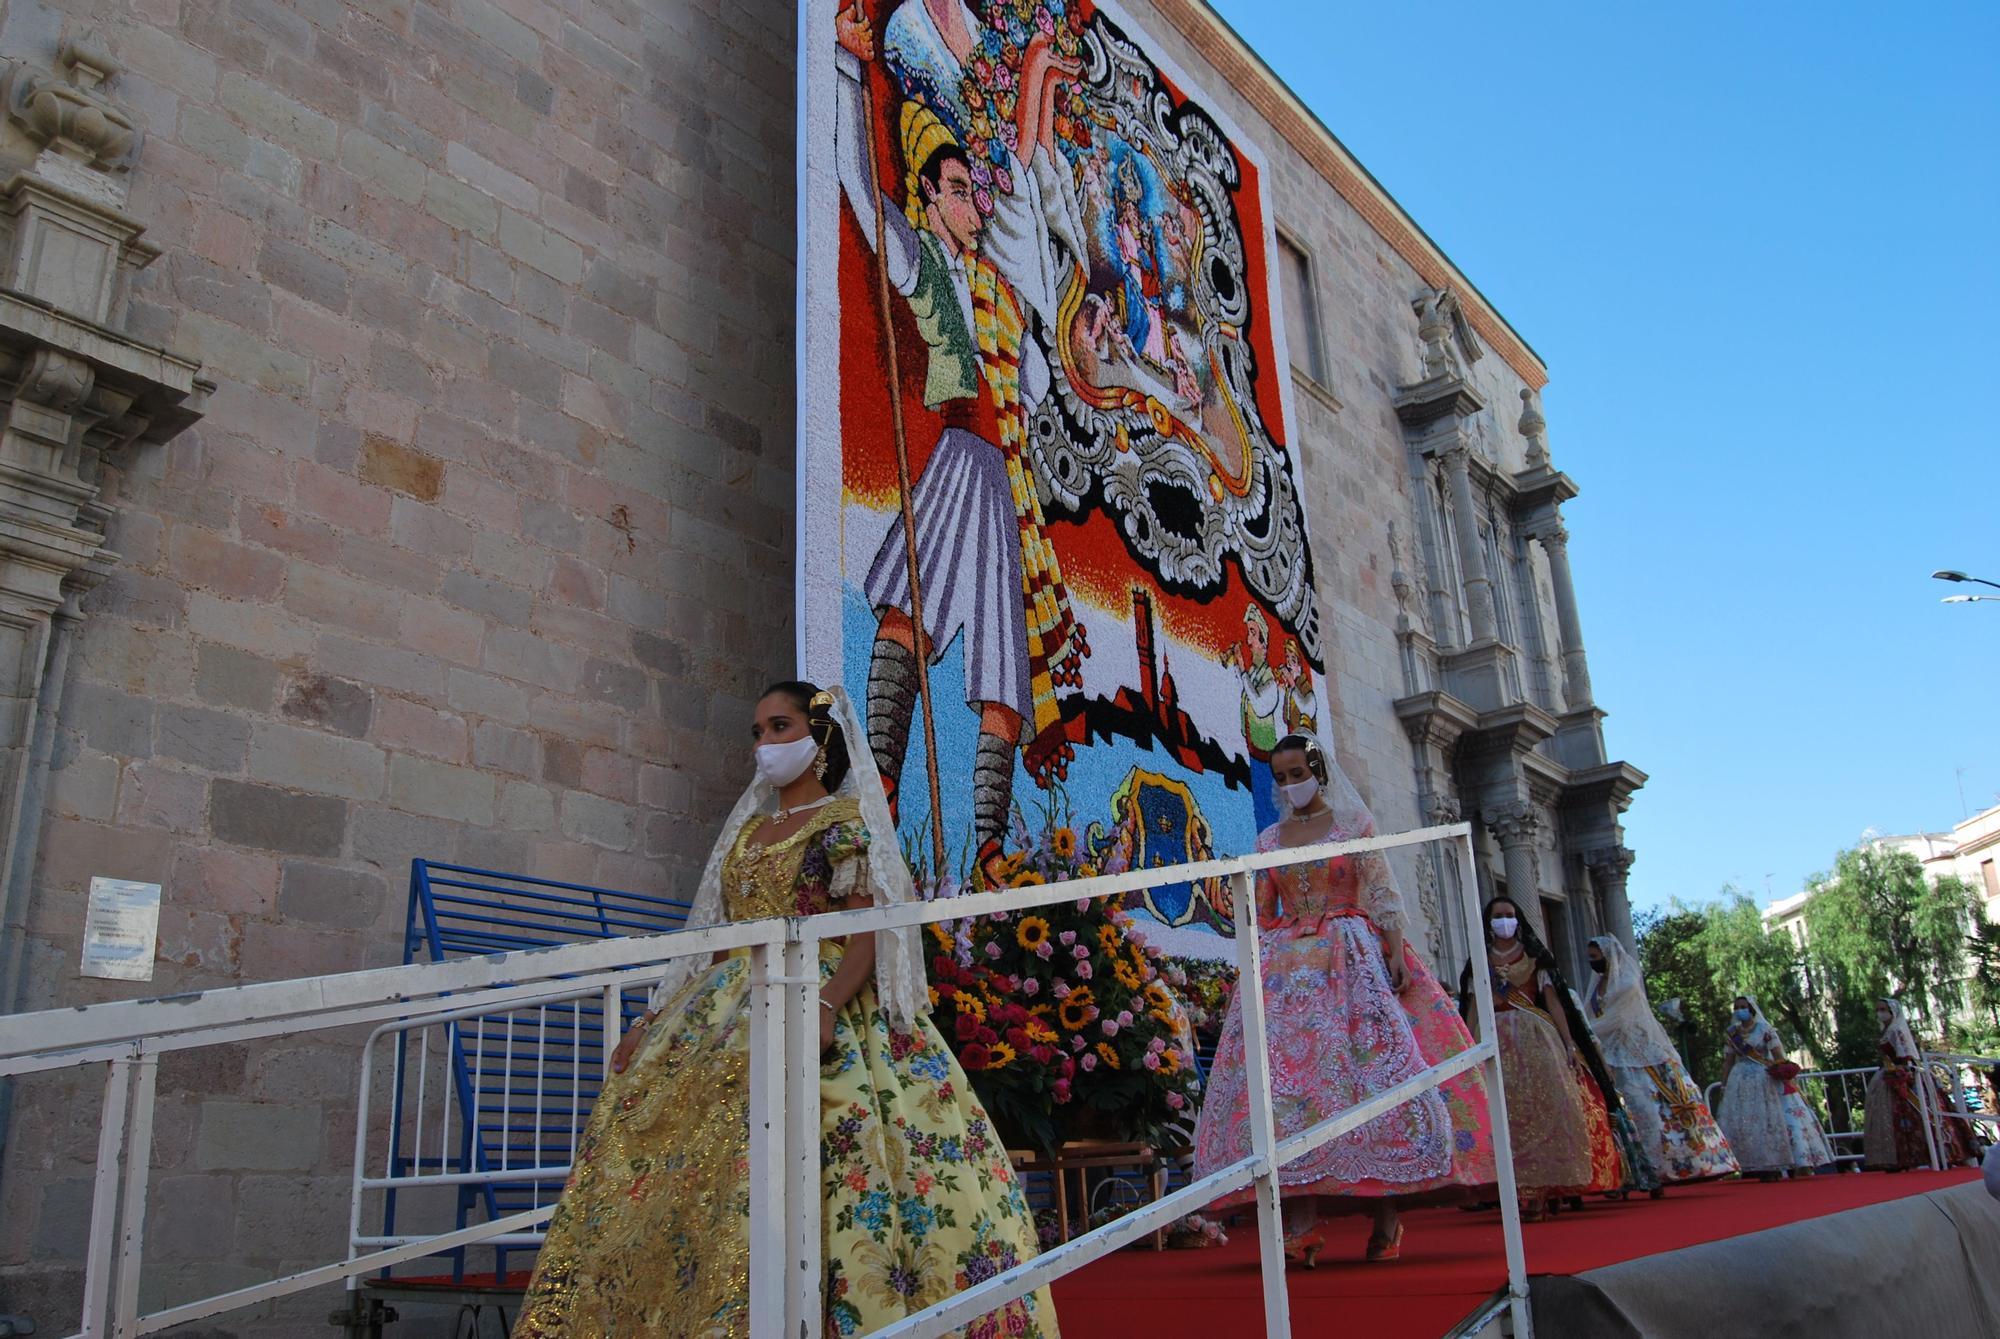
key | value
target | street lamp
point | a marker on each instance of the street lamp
(1950, 574)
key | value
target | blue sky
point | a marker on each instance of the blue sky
(1755, 245)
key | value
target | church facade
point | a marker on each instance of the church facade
(398, 460)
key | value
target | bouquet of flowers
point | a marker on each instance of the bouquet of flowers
(991, 89)
(1059, 1011)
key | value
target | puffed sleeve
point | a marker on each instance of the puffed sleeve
(847, 849)
(1379, 897)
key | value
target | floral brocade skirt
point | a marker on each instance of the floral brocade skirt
(1674, 1125)
(1338, 1034)
(650, 1240)
(1548, 1122)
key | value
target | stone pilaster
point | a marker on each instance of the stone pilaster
(1576, 668)
(1518, 829)
(74, 389)
(1608, 867)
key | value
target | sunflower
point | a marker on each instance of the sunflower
(1027, 878)
(1039, 1031)
(1031, 933)
(1000, 1055)
(1140, 962)
(1075, 1011)
(942, 935)
(1107, 937)
(1108, 1056)
(1063, 842)
(936, 998)
(1044, 1010)
(967, 1003)
(1126, 976)
(1170, 1061)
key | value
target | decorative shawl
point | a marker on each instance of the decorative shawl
(1898, 1037)
(1630, 1036)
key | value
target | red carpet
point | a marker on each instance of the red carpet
(1452, 1260)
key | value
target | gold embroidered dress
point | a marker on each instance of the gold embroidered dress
(650, 1239)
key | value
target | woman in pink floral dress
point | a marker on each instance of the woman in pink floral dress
(1350, 1011)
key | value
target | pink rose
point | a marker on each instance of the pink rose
(1176, 1101)
(1060, 988)
(992, 949)
(1110, 1027)
(1090, 1063)
(1124, 1018)
(1045, 950)
(1061, 1090)
(1080, 951)
(1077, 1043)
(1068, 937)
(1152, 1060)
(1032, 987)
(1156, 1045)
(1083, 971)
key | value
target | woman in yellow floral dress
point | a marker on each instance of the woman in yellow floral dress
(650, 1239)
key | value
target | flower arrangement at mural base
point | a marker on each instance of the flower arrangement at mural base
(1061, 1018)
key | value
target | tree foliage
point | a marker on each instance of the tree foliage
(1874, 926)
(1877, 926)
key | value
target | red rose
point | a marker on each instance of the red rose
(968, 1027)
(975, 1057)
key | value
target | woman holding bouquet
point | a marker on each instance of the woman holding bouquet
(920, 1200)
(1351, 1011)
(1768, 1123)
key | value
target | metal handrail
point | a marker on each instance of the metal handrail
(784, 1155)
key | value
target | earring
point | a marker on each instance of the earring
(819, 766)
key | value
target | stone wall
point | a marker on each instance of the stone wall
(481, 552)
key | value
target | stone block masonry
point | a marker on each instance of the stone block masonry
(499, 313)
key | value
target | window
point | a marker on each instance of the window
(1990, 876)
(1302, 332)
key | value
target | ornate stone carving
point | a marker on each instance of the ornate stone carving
(68, 112)
(1610, 863)
(1517, 826)
(56, 380)
(1443, 809)
(1535, 428)
(1434, 311)
(1428, 903)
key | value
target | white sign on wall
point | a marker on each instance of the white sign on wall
(121, 928)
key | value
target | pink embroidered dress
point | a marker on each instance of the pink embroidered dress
(1339, 1034)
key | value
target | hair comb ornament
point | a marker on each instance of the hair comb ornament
(822, 698)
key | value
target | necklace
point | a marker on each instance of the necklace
(797, 809)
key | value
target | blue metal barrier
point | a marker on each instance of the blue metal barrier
(457, 912)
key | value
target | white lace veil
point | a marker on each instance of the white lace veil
(1898, 1036)
(900, 983)
(1627, 1032)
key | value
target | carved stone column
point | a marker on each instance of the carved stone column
(74, 388)
(1576, 667)
(1608, 867)
(1517, 829)
(1479, 604)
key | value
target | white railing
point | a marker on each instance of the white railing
(427, 1000)
(1945, 1070)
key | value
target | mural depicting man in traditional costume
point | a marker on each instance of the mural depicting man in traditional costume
(974, 505)
(1043, 387)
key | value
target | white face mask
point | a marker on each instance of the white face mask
(1300, 794)
(1505, 926)
(782, 764)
